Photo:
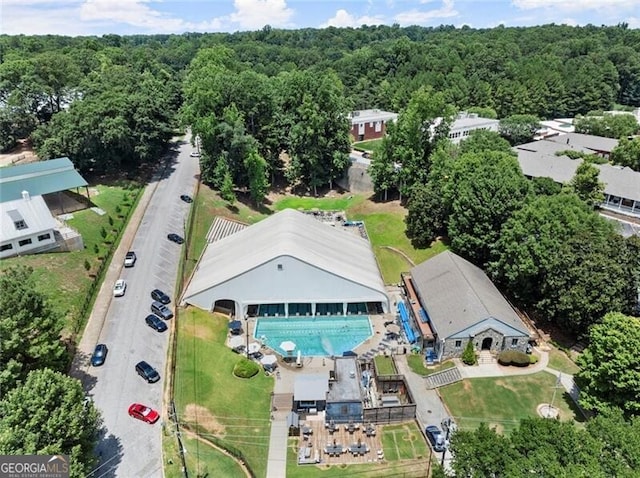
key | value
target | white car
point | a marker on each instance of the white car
(195, 154)
(119, 288)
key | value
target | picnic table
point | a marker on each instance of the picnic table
(370, 431)
(359, 448)
(334, 450)
(332, 427)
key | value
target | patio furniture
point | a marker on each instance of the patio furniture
(370, 431)
(359, 449)
(334, 450)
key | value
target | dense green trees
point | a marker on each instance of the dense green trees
(47, 415)
(30, 329)
(238, 113)
(586, 185)
(542, 447)
(519, 129)
(627, 153)
(489, 188)
(409, 143)
(610, 365)
(608, 125)
(563, 261)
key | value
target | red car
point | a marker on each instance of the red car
(144, 413)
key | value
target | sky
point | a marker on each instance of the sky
(126, 17)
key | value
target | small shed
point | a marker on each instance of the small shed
(310, 393)
(293, 424)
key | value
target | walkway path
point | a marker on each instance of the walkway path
(496, 370)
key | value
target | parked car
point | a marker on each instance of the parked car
(435, 437)
(175, 238)
(161, 310)
(99, 355)
(366, 155)
(157, 294)
(155, 323)
(186, 198)
(195, 154)
(144, 413)
(130, 259)
(147, 372)
(119, 288)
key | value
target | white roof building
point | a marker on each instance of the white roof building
(26, 226)
(288, 262)
(465, 123)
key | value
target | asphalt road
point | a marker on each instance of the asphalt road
(131, 448)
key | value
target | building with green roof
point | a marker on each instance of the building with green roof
(39, 178)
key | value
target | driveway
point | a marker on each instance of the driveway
(130, 448)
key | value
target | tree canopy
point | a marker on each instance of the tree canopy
(29, 327)
(608, 125)
(542, 447)
(609, 374)
(47, 415)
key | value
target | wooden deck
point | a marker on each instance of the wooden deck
(317, 441)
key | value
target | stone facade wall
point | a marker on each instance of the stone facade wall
(499, 342)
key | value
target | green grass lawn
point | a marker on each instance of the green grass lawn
(405, 453)
(385, 365)
(228, 410)
(501, 402)
(417, 364)
(201, 459)
(370, 145)
(384, 222)
(403, 442)
(62, 276)
(558, 360)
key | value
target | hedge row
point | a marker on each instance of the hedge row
(514, 357)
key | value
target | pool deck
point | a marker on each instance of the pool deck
(285, 378)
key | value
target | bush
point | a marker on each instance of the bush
(246, 368)
(469, 355)
(514, 357)
(533, 358)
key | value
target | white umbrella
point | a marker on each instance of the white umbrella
(236, 341)
(268, 359)
(288, 346)
(254, 347)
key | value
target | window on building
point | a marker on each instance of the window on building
(6, 247)
(44, 237)
(20, 224)
(24, 242)
(458, 344)
(279, 267)
(514, 342)
(378, 126)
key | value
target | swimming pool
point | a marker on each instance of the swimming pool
(319, 336)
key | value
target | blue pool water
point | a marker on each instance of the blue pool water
(319, 336)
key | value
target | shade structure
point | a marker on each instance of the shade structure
(269, 359)
(236, 341)
(393, 329)
(254, 347)
(288, 346)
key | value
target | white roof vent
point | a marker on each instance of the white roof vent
(25, 195)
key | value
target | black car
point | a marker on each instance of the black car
(99, 355)
(155, 323)
(147, 372)
(186, 198)
(436, 437)
(175, 238)
(157, 294)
